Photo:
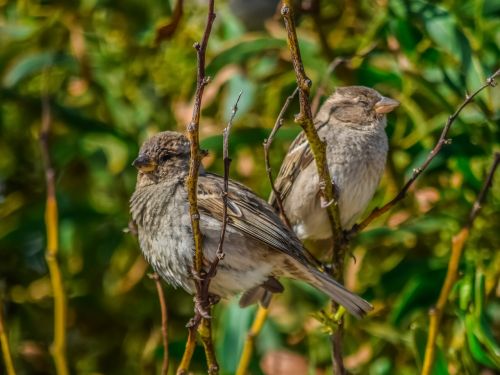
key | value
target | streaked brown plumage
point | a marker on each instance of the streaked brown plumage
(258, 247)
(352, 122)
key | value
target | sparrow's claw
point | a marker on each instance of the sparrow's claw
(213, 299)
(325, 204)
(201, 309)
(199, 276)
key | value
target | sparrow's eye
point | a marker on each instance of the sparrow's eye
(164, 157)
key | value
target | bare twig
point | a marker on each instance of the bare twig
(227, 164)
(202, 302)
(205, 329)
(305, 120)
(254, 331)
(165, 32)
(164, 321)
(443, 140)
(336, 62)
(457, 246)
(327, 186)
(58, 348)
(262, 311)
(188, 351)
(193, 135)
(267, 145)
(4, 343)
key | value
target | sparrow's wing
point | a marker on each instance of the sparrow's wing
(256, 219)
(298, 157)
(249, 214)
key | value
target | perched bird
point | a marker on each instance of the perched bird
(352, 121)
(258, 247)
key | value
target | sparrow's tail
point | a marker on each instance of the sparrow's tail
(356, 305)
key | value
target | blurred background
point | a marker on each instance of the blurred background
(110, 86)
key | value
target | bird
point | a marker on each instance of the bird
(352, 122)
(258, 247)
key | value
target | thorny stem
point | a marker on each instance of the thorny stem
(164, 322)
(327, 186)
(58, 348)
(443, 140)
(457, 246)
(4, 344)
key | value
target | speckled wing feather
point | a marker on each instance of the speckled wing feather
(298, 157)
(249, 214)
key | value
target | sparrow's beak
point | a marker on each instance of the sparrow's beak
(385, 105)
(144, 163)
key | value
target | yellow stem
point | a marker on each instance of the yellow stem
(4, 343)
(58, 348)
(257, 325)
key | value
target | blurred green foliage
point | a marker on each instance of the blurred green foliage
(110, 88)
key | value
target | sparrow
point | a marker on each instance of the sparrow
(258, 247)
(352, 122)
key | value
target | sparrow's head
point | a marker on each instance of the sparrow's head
(164, 155)
(357, 107)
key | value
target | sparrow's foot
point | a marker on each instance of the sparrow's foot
(213, 299)
(201, 308)
(198, 276)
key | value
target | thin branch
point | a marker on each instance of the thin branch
(443, 140)
(4, 343)
(260, 318)
(205, 329)
(457, 246)
(205, 332)
(262, 311)
(305, 120)
(267, 145)
(201, 301)
(166, 32)
(193, 135)
(58, 348)
(227, 164)
(164, 321)
(254, 331)
(188, 351)
(336, 62)
(327, 185)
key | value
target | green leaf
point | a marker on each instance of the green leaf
(33, 63)
(444, 31)
(242, 51)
